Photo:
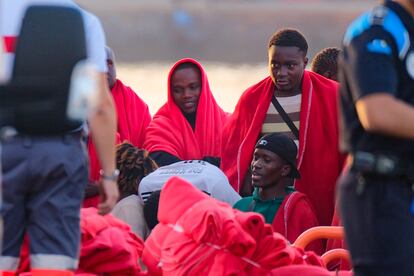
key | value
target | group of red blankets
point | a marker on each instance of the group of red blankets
(197, 235)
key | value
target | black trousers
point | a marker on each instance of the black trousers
(379, 224)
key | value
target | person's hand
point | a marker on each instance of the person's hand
(109, 195)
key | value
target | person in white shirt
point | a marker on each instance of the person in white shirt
(201, 174)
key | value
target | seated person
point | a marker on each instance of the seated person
(133, 164)
(189, 125)
(204, 176)
(133, 118)
(325, 63)
(289, 212)
(151, 210)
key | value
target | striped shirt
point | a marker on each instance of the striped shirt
(273, 122)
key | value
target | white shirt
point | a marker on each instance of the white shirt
(12, 13)
(201, 174)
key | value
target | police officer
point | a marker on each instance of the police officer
(377, 102)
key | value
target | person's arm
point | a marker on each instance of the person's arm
(370, 62)
(383, 113)
(102, 123)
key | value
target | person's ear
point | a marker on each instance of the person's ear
(305, 62)
(286, 170)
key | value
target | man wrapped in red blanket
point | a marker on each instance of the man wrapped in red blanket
(189, 125)
(310, 102)
(133, 118)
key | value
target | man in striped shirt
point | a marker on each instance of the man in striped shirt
(299, 103)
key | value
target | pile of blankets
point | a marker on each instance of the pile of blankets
(198, 235)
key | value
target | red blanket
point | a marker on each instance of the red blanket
(319, 159)
(199, 235)
(295, 216)
(9, 43)
(133, 118)
(108, 245)
(170, 131)
(133, 114)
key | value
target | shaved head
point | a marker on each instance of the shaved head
(110, 61)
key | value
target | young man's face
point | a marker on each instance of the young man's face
(286, 66)
(267, 168)
(186, 89)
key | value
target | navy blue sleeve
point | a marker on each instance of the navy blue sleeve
(370, 63)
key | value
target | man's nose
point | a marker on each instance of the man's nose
(282, 71)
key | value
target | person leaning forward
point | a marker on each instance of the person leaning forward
(310, 102)
(376, 99)
(43, 177)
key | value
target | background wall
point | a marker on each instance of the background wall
(229, 37)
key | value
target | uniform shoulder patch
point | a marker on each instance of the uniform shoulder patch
(379, 46)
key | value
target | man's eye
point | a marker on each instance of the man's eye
(194, 86)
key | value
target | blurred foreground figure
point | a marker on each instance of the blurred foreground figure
(44, 169)
(376, 189)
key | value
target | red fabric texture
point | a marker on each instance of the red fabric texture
(24, 265)
(319, 159)
(295, 216)
(199, 235)
(9, 43)
(132, 113)
(133, 118)
(94, 168)
(108, 245)
(303, 270)
(170, 131)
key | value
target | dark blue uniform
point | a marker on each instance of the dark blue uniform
(376, 192)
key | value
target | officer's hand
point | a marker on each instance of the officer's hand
(109, 195)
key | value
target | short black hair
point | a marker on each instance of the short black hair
(326, 61)
(151, 209)
(289, 38)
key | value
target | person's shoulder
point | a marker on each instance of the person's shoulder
(379, 21)
(258, 87)
(243, 203)
(322, 84)
(298, 199)
(132, 201)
